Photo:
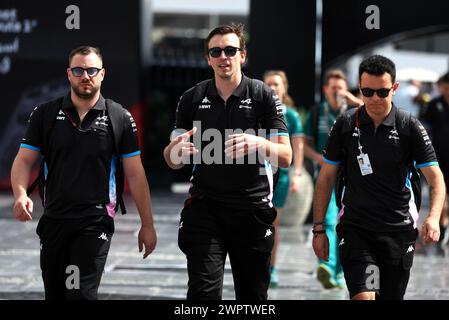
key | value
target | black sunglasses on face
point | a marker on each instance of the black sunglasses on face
(91, 72)
(229, 51)
(381, 93)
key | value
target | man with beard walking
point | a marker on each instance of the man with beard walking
(88, 144)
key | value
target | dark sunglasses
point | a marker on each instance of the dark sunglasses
(229, 51)
(91, 72)
(381, 93)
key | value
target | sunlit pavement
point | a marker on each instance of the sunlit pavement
(163, 274)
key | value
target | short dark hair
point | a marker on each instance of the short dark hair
(377, 65)
(237, 29)
(334, 74)
(443, 79)
(85, 50)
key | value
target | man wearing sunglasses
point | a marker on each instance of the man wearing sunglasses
(230, 210)
(80, 195)
(377, 227)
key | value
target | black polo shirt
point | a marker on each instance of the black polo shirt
(231, 183)
(81, 161)
(437, 116)
(383, 200)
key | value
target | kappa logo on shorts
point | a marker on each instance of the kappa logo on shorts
(410, 249)
(268, 233)
(180, 225)
(103, 237)
(342, 242)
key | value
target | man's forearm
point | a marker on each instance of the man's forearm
(321, 198)
(298, 154)
(140, 192)
(279, 152)
(20, 177)
(311, 154)
(437, 191)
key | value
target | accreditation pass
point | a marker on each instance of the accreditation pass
(364, 164)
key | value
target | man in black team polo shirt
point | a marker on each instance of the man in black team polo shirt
(230, 209)
(377, 228)
(80, 195)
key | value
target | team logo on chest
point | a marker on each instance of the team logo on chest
(205, 104)
(246, 104)
(101, 121)
(393, 135)
(60, 116)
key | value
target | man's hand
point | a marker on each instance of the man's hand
(430, 231)
(321, 246)
(295, 183)
(350, 98)
(242, 144)
(148, 238)
(23, 208)
(181, 148)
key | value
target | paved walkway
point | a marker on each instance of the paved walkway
(164, 276)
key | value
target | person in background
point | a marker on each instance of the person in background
(436, 116)
(277, 80)
(337, 99)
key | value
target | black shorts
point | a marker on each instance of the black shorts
(376, 261)
(209, 231)
(73, 255)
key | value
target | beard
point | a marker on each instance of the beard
(85, 94)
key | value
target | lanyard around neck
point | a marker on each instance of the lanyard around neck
(357, 126)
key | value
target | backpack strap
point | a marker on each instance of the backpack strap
(49, 112)
(403, 119)
(348, 119)
(116, 113)
(256, 90)
(402, 122)
(200, 90)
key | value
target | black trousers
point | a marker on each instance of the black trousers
(376, 261)
(73, 255)
(209, 231)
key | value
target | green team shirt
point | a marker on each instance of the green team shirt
(294, 126)
(326, 119)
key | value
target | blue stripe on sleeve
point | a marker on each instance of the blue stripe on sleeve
(27, 146)
(278, 134)
(335, 163)
(427, 164)
(129, 155)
